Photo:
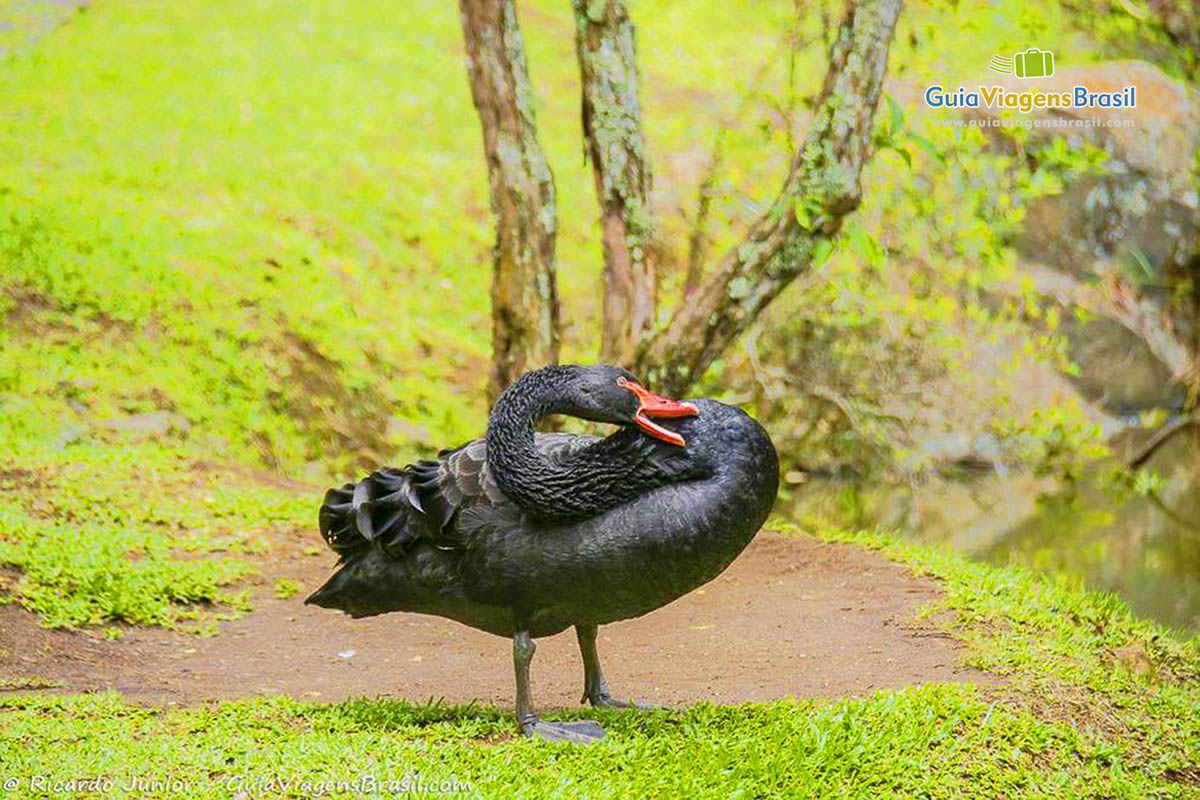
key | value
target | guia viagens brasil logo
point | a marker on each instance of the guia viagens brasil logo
(1028, 64)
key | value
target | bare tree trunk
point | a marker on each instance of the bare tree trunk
(525, 312)
(612, 130)
(823, 182)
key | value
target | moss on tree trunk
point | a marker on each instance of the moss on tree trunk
(525, 311)
(612, 130)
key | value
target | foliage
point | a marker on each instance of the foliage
(298, 268)
(292, 274)
(919, 326)
(845, 363)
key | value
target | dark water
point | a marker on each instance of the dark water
(1110, 540)
(1147, 552)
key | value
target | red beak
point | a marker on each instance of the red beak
(651, 405)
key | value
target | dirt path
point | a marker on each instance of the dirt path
(790, 617)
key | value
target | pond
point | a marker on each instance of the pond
(1145, 549)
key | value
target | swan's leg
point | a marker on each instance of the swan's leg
(595, 688)
(523, 649)
(584, 732)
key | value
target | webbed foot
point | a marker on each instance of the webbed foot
(606, 700)
(581, 732)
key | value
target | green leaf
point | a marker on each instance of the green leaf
(928, 146)
(822, 251)
(802, 215)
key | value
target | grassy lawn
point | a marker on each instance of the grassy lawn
(135, 532)
(1095, 703)
(269, 223)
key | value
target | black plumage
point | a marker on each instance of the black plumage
(525, 534)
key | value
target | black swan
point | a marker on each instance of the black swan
(524, 534)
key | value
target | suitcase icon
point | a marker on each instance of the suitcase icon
(1033, 63)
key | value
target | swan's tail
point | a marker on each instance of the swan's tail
(375, 583)
(379, 508)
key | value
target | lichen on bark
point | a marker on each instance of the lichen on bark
(614, 143)
(525, 308)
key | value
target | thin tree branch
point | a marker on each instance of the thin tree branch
(823, 179)
(698, 235)
(1170, 513)
(525, 310)
(1161, 437)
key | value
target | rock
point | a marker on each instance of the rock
(149, 425)
(1139, 223)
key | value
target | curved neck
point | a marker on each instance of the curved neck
(602, 476)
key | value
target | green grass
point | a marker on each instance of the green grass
(937, 740)
(136, 533)
(1077, 715)
(1069, 653)
(271, 218)
(268, 220)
